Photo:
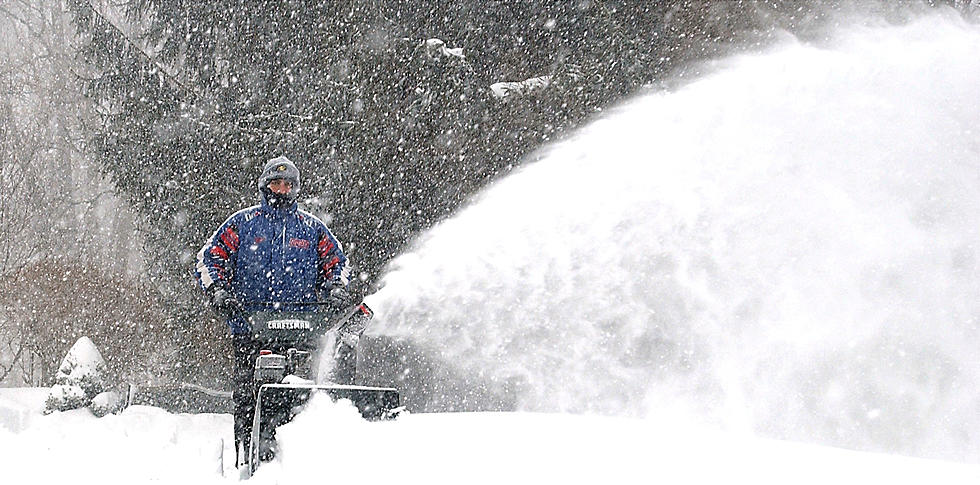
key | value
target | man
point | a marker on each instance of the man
(271, 253)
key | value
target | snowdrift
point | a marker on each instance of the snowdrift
(149, 445)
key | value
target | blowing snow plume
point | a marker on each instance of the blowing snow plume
(788, 246)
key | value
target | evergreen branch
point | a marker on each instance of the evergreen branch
(160, 67)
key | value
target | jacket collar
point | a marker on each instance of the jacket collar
(277, 212)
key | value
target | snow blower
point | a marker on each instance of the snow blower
(285, 372)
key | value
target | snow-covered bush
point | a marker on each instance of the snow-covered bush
(80, 378)
(64, 397)
(107, 402)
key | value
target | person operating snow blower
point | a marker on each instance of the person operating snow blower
(273, 254)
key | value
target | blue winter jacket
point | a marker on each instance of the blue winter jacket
(265, 255)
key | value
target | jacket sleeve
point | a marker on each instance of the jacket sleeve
(215, 261)
(333, 269)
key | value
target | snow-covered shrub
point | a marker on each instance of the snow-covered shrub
(80, 378)
(64, 397)
(107, 402)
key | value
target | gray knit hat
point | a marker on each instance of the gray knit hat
(280, 168)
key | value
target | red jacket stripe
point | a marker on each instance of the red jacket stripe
(324, 246)
(221, 253)
(230, 239)
(329, 265)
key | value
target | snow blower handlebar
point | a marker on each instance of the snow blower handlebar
(277, 304)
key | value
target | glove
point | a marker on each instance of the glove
(338, 298)
(226, 304)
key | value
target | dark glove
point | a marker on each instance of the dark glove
(226, 304)
(338, 298)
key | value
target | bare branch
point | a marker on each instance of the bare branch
(5, 371)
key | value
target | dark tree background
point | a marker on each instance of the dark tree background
(392, 132)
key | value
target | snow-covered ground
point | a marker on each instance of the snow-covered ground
(330, 443)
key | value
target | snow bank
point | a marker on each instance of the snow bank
(140, 445)
(329, 442)
(18, 406)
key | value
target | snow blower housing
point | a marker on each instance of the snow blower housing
(285, 372)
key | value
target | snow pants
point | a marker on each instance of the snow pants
(246, 351)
